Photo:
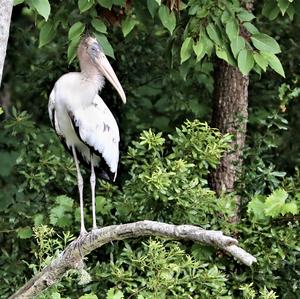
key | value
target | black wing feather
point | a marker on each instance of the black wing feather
(103, 168)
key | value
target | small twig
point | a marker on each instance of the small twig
(8, 231)
(288, 219)
(72, 256)
(138, 291)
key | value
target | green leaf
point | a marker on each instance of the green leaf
(106, 3)
(256, 207)
(226, 17)
(38, 219)
(208, 44)
(99, 26)
(245, 16)
(119, 2)
(60, 215)
(292, 10)
(213, 33)
(270, 9)
(88, 296)
(7, 161)
(24, 232)
(65, 201)
(41, 6)
(237, 45)
(257, 69)
(73, 45)
(127, 25)
(232, 29)
(114, 294)
(56, 213)
(261, 61)
(167, 18)
(275, 203)
(186, 50)
(6, 197)
(222, 54)
(55, 295)
(274, 63)
(265, 43)
(230, 59)
(47, 33)
(184, 69)
(194, 9)
(283, 5)
(85, 5)
(152, 7)
(202, 12)
(291, 208)
(103, 205)
(250, 28)
(107, 48)
(76, 30)
(199, 49)
(245, 61)
(17, 2)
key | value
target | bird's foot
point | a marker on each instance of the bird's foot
(78, 243)
(83, 233)
(92, 236)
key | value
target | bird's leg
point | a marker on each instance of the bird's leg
(93, 185)
(80, 188)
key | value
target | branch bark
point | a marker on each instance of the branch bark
(6, 7)
(72, 256)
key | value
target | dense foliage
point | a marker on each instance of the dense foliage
(164, 55)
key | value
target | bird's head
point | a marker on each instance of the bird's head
(90, 52)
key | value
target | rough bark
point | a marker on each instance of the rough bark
(5, 16)
(230, 115)
(72, 256)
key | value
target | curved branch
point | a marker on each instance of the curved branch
(72, 256)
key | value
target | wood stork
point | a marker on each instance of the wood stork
(83, 122)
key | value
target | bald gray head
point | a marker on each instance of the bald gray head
(92, 59)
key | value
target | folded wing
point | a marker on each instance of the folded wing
(97, 128)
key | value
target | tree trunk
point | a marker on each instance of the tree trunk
(230, 115)
(5, 16)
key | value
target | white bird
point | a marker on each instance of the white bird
(83, 122)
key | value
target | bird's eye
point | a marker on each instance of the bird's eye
(94, 49)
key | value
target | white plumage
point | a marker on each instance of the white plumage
(97, 127)
(83, 121)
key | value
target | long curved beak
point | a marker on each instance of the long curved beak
(106, 69)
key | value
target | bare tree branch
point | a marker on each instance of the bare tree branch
(72, 256)
(5, 16)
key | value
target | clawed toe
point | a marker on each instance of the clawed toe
(83, 233)
(92, 236)
(78, 243)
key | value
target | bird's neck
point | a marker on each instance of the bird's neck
(93, 75)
